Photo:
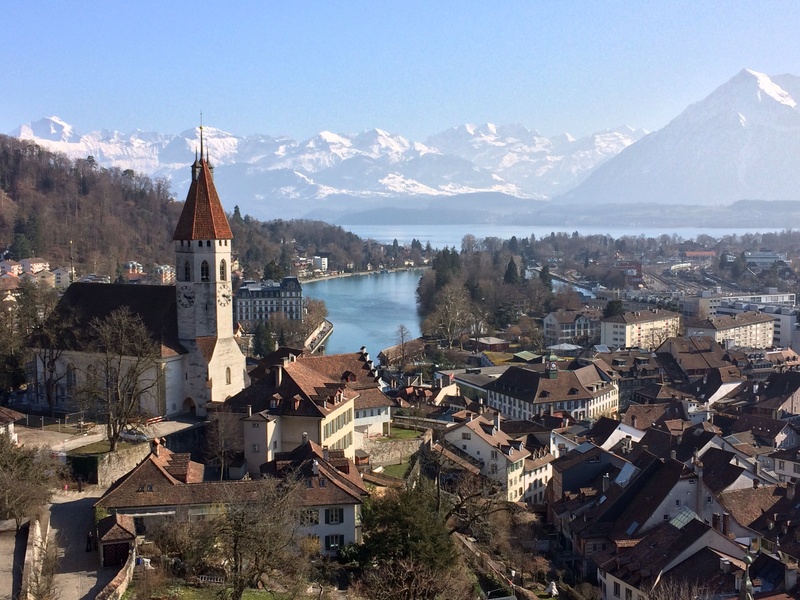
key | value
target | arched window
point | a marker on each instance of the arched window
(187, 271)
(222, 270)
(204, 276)
(228, 375)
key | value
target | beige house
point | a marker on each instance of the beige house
(501, 458)
(641, 329)
(744, 330)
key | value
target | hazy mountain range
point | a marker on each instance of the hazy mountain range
(741, 142)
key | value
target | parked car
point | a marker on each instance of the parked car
(133, 435)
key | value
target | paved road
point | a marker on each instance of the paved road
(79, 575)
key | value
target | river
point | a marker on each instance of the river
(366, 310)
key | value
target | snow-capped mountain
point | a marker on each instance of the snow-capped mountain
(259, 172)
(741, 142)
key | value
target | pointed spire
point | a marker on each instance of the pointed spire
(203, 217)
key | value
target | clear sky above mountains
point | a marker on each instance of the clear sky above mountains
(411, 67)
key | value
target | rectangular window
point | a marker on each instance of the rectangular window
(616, 589)
(256, 448)
(334, 516)
(628, 594)
(334, 542)
(466, 436)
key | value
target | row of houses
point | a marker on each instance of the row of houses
(650, 327)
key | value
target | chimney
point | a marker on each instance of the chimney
(315, 467)
(673, 455)
(305, 438)
(726, 523)
(155, 446)
(326, 454)
(789, 577)
(715, 521)
(633, 421)
(756, 483)
(249, 410)
(790, 489)
(606, 482)
(278, 375)
(724, 565)
(497, 420)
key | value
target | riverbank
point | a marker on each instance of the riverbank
(342, 274)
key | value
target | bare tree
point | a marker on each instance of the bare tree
(125, 371)
(223, 438)
(453, 312)
(403, 335)
(258, 531)
(28, 477)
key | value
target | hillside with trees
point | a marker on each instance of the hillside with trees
(51, 205)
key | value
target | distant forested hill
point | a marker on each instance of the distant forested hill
(114, 216)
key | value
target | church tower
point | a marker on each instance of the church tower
(214, 368)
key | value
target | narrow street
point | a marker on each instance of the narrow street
(79, 574)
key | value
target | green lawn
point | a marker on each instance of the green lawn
(396, 470)
(398, 433)
(101, 447)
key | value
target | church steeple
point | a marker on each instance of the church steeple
(203, 217)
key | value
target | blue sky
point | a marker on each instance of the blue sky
(413, 68)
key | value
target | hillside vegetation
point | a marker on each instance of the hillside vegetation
(114, 216)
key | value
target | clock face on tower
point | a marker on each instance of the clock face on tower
(224, 295)
(186, 296)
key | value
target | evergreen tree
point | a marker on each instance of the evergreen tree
(512, 275)
(613, 308)
(546, 278)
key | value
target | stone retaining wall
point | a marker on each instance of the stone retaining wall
(117, 586)
(38, 533)
(392, 452)
(113, 465)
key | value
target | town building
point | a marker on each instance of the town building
(571, 326)
(166, 485)
(258, 302)
(705, 304)
(743, 330)
(642, 329)
(501, 458)
(583, 393)
(785, 329)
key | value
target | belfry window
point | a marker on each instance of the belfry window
(187, 271)
(204, 276)
(222, 270)
(228, 375)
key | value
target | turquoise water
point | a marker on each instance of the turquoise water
(366, 310)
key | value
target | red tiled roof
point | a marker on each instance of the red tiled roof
(202, 217)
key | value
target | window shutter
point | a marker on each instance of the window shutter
(327, 516)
